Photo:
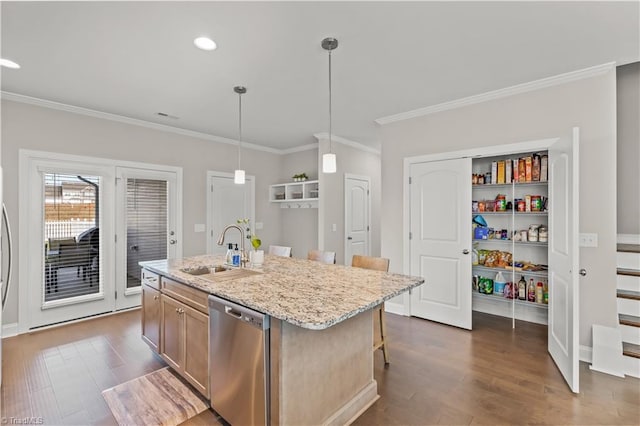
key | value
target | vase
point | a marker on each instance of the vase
(256, 257)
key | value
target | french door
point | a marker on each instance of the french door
(85, 224)
(145, 226)
(69, 272)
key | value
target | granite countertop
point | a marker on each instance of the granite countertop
(305, 293)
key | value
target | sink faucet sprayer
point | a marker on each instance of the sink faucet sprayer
(243, 255)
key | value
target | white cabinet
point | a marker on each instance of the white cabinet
(515, 241)
(295, 194)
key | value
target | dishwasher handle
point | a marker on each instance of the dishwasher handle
(230, 311)
(241, 313)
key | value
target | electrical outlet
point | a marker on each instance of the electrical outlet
(588, 240)
(259, 226)
(198, 227)
(334, 227)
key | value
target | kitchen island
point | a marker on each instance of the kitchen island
(321, 336)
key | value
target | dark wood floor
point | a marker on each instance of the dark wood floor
(438, 375)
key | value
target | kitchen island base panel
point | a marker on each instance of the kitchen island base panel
(322, 376)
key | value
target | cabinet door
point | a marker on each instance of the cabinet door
(151, 311)
(196, 349)
(440, 203)
(171, 339)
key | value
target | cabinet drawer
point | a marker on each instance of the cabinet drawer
(151, 279)
(195, 298)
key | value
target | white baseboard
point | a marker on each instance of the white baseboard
(394, 308)
(586, 354)
(631, 366)
(628, 239)
(10, 330)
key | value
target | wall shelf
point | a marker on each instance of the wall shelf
(295, 194)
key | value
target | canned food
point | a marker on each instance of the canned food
(536, 203)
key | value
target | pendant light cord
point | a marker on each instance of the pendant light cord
(330, 144)
(239, 127)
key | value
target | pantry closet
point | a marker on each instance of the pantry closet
(455, 223)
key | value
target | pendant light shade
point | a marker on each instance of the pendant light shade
(329, 163)
(329, 160)
(238, 176)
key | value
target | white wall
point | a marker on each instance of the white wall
(353, 161)
(629, 149)
(545, 113)
(36, 128)
(299, 227)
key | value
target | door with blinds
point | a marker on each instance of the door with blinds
(145, 227)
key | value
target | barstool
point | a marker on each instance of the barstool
(376, 264)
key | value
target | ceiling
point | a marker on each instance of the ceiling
(137, 58)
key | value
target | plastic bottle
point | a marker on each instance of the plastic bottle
(498, 284)
(539, 292)
(236, 256)
(229, 256)
(531, 291)
(545, 294)
(522, 289)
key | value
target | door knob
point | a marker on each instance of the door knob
(465, 251)
(172, 241)
(583, 272)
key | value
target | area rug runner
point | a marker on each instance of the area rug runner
(159, 398)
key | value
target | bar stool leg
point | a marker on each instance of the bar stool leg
(383, 335)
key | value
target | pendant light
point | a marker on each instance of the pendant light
(329, 159)
(238, 176)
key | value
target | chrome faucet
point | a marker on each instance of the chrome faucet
(243, 254)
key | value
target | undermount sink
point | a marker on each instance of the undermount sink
(219, 273)
(204, 270)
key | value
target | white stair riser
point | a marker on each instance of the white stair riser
(629, 307)
(628, 260)
(627, 282)
(630, 334)
(631, 366)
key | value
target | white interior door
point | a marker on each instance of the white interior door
(228, 202)
(563, 258)
(440, 245)
(147, 226)
(357, 220)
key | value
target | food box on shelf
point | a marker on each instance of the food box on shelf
(296, 195)
(279, 196)
(481, 233)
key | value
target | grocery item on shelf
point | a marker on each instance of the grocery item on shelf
(539, 292)
(531, 291)
(499, 284)
(485, 285)
(522, 289)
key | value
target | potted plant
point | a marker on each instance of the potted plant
(300, 177)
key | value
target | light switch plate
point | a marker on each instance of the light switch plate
(259, 225)
(588, 240)
(334, 227)
(198, 227)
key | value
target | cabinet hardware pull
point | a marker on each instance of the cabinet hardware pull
(465, 251)
(583, 272)
(177, 310)
(155, 297)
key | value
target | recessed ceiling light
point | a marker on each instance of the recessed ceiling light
(205, 43)
(9, 64)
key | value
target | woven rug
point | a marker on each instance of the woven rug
(159, 398)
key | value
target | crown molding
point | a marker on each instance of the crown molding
(300, 148)
(16, 97)
(353, 144)
(501, 93)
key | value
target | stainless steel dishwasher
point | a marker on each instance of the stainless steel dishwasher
(239, 363)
